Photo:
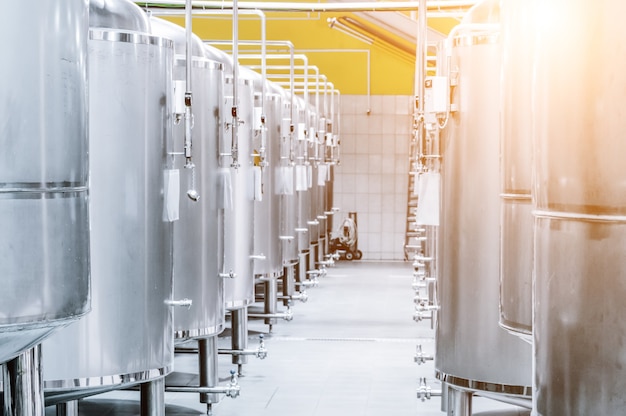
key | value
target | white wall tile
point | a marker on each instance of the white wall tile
(348, 144)
(377, 104)
(362, 124)
(375, 144)
(362, 145)
(376, 124)
(348, 123)
(374, 203)
(362, 185)
(375, 164)
(362, 164)
(375, 184)
(389, 104)
(362, 203)
(403, 124)
(404, 104)
(361, 106)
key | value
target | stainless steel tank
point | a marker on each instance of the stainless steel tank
(237, 188)
(580, 194)
(44, 223)
(285, 172)
(516, 240)
(266, 207)
(197, 252)
(303, 194)
(315, 222)
(127, 338)
(473, 353)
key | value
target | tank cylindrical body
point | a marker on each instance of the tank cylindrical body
(580, 196)
(267, 202)
(237, 188)
(516, 240)
(302, 177)
(127, 338)
(286, 178)
(197, 251)
(44, 223)
(473, 352)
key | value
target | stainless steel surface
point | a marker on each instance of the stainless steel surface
(197, 249)
(267, 210)
(579, 189)
(67, 409)
(122, 15)
(473, 352)
(44, 223)
(153, 397)
(459, 402)
(208, 368)
(127, 338)
(239, 326)
(237, 218)
(516, 147)
(23, 384)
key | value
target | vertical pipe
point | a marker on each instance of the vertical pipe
(153, 398)
(23, 384)
(188, 96)
(208, 368)
(234, 112)
(271, 299)
(420, 64)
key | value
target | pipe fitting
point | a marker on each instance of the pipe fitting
(424, 392)
(183, 302)
(421, 358)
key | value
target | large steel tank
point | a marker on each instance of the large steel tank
(44, 224)
(127, 338)
(285, 186)
(197, 252)
(473, 353)
(303, 194)
(267, 105)
(580, 193)
(516, 240)
(237, 187)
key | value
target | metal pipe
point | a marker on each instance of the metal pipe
(153, 398)
(208, 365)
(188, 94)
(232, 389)
(436, 5)
(459, 402)
(23, 384)
(67, 408)
(239, 340)
(420, 74)
(234, 112)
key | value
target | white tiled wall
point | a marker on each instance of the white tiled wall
(372, 177)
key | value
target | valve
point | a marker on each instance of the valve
(233, 388)
(230, 275)
(261, 352)
(424, 390)
(421, 358)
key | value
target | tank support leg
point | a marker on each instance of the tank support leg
(459, 402)
(23, 385)
(68, 408)
(207, 359)
(239, 322)
(153, 398)
(271, 300)
(289, 282)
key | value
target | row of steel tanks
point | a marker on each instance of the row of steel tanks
(530, 251)
(191, 195)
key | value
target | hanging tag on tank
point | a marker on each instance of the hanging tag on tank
(171, 195)
(179, 97)
(321, 174)
(309, 176)
(258, 119)
(301, 131)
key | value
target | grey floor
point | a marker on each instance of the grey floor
(348, 351)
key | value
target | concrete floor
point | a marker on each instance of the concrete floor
(348, 351)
